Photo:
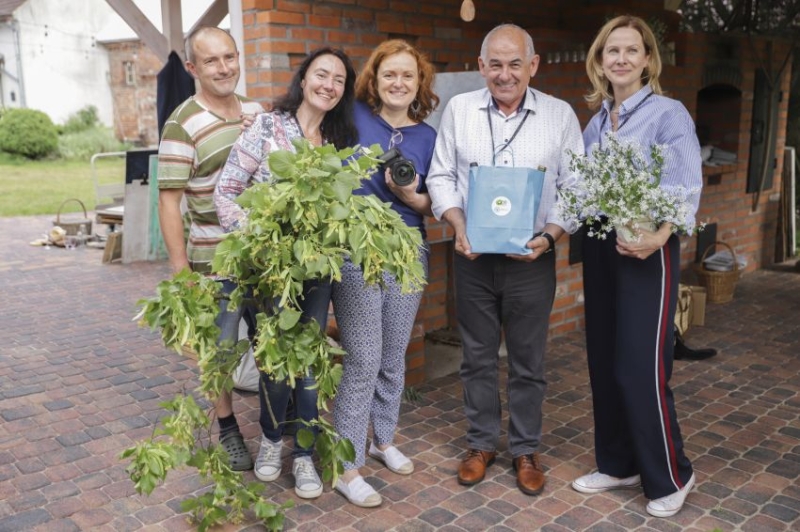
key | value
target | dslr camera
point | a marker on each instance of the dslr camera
(403, 171)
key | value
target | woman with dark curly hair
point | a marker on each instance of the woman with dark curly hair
(394, 97)
(318, 107)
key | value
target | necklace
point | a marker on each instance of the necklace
(627, 117)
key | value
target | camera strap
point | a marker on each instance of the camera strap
(491, 131)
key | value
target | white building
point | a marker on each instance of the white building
(50, 59)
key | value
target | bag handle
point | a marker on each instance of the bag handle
(733, 254)
(58, 215)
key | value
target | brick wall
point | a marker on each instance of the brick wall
(279, 32)
(135, 118)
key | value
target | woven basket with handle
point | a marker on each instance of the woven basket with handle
(719, 285)
(73, 225)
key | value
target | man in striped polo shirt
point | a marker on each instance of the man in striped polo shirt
(194, 147)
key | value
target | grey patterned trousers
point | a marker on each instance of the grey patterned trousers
(375, 326)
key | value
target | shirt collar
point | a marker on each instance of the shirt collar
(528, 101)
(631, 102)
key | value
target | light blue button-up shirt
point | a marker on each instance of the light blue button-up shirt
(652, 119)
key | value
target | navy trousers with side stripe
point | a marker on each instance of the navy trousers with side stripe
(630, 307)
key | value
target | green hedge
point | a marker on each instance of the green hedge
(27, 132)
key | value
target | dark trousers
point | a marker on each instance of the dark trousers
(494, 294)
(315, 302)
(630, 307)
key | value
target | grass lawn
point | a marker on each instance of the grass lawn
(39, 187)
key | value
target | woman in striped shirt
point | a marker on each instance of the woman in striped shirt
(631, 287)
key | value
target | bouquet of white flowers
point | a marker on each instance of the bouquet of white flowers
(618, 183)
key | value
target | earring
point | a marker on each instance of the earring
(415, 107)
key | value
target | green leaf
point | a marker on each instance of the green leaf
(289, 318)
(342, 191)
(305, 437)
(281, 163)
(338, 212)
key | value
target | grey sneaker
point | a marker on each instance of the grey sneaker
(307, 484)
(268, 463)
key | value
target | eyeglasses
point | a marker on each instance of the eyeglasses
(395, 139)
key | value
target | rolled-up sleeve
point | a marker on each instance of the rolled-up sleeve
(442, 180)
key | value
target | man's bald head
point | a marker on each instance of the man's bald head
(199, 33)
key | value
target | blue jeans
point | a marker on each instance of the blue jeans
(315, 302)
(228, 321)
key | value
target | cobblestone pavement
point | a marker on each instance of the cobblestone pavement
(80, 382)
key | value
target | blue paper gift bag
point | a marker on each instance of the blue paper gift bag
(502, 207)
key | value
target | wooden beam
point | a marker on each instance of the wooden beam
(172, 25)
(140, 24)
(213, 15)
(237, 32)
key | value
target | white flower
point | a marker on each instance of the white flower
(619, 183)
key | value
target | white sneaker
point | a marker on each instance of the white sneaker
(358, 492)
(598, 482)
(268, 463)
(672, 503)
(393, 459)
(307, 484)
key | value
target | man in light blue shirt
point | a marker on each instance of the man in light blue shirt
(516, 126)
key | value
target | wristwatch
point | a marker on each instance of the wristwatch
(550, 240)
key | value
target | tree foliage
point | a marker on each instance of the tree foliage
(299, 227)
(754, 17)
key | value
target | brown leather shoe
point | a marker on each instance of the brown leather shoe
(530, 475)
(473, 468)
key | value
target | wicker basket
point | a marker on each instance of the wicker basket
(719, 285)
(73, 226)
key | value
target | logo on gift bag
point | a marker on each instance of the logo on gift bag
(501, 205)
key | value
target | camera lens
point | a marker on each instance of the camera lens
(403, 172)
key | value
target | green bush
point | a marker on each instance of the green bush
(81, 120)
(27, 132)
(84, 144)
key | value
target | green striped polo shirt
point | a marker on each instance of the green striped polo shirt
(194, 147)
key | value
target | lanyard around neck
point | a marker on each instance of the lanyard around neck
(627, 117)
(491, 131)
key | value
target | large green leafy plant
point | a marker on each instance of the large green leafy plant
(300, 227)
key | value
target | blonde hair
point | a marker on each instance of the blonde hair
(601, 87)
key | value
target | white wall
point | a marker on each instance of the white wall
(64, 69)
(7, 81)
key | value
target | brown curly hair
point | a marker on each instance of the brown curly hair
(367, 86)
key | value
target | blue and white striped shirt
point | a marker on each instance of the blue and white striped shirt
(652, 119)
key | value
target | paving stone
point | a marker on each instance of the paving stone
(13, 414)
(24, 520)
(102, 378)
(437, 516)
(479, 519)
(785, 468)
(61, 404)
(780, 512)
(75, 438)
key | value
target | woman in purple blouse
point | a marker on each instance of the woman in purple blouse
(394, 96)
